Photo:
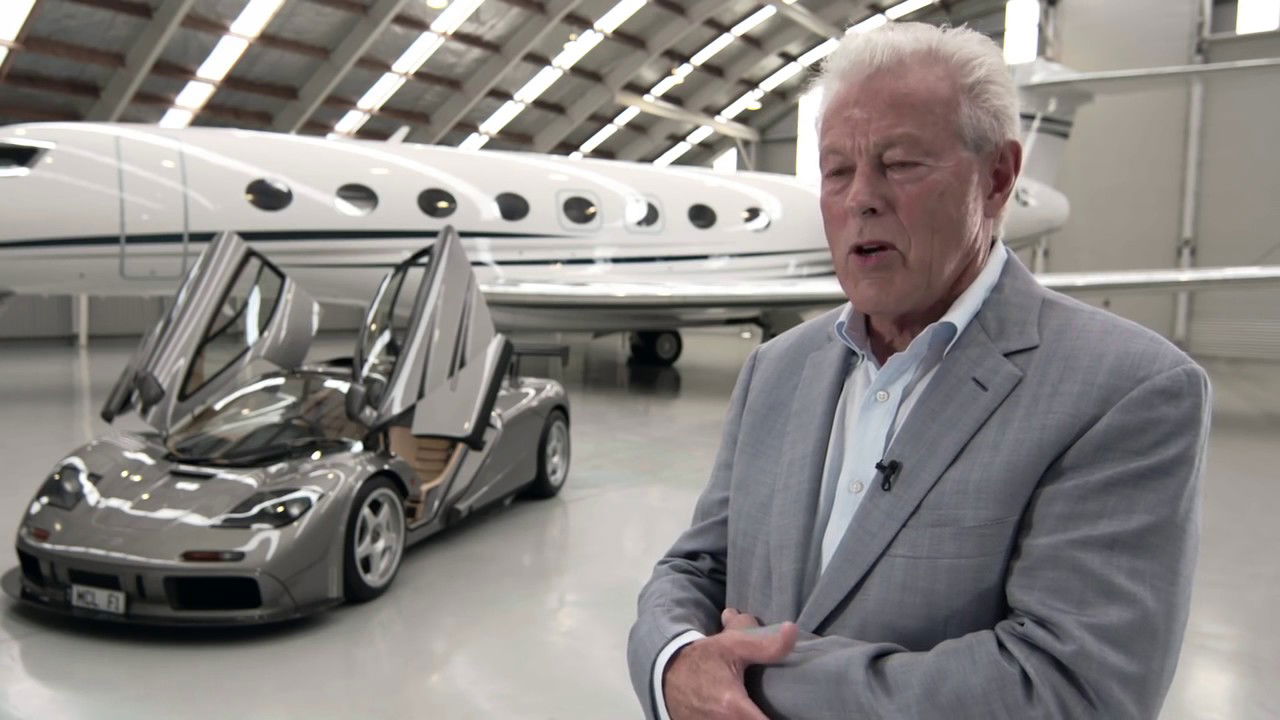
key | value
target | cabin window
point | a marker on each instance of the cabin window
(268, 194)
(650, 216)
(437, 203)
(356, 200)
(702, 216)
(580, 210)
(512, 206)
(17, 159)
(756, 219)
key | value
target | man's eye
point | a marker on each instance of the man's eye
(901, 165)
(839, 171)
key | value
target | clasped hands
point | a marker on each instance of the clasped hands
(705, 680)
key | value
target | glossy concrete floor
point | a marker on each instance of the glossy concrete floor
(523, 613)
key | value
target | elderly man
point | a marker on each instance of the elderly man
(958, 496)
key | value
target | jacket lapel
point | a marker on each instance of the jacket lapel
(969, 385)
(795, 499)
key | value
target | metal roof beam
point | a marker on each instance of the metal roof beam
(600, 95)
(708, 92)
(664, 109)
(495, 68)
(352, 47)
(807, 19)
(139, 60)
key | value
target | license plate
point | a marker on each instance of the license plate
(100, 599)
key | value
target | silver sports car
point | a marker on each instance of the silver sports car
(273, 488)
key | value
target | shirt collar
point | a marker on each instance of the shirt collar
(851, 326)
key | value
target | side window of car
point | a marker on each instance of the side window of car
(242, 317)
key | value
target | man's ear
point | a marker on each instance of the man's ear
(1003, 168)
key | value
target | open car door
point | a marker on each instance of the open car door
(429, 345)
(233, 309)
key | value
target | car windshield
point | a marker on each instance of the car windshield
(273, 416)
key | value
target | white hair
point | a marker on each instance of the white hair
(988, 96)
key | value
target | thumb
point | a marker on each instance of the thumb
(765, 648)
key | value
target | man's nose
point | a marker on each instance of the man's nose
(866, 196)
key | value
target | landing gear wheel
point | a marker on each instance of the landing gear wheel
(661, 348)
(553, 457)
(375, 540)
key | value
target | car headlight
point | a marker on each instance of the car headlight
(273, 508)
(64, 487)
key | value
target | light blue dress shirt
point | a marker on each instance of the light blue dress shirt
(876, 401)
(873, 405)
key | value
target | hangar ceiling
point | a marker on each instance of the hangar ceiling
(535, 75)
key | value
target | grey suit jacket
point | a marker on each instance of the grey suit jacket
(1032, 559)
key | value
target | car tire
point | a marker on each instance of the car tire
(374, 543)
(553, 457)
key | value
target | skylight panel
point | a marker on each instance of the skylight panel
(176, 118)
(538, 84)
(576, 49)
(783, 74)
(501, 117)
(255, 17)
(381, 92)
(818, 52)
(713, 47)
(617, 15)
(194, 95)
(1021, 31)
(601, 135)
(903, 9)
(702, 133)
(753, 20)
(409, 62)
(224, 56)
(1255, 16)
(674, 153)
(474, 141)
(418, 53)
(13, 15)
(448, 22)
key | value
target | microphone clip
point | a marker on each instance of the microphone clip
(888, 469)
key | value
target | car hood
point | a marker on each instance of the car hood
(137, 488)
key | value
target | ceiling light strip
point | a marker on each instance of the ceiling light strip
(246, 28)
(13, 16)
(573, 52)
(751, 100)
(409, 62)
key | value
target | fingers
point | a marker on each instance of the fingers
(764, 648)
(731, 619)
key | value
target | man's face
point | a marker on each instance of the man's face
(906, 204)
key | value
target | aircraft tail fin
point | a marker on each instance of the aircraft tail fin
(1052, 93)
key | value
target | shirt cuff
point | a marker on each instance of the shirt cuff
(660, 667)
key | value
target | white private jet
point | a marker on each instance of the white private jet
(557, 243)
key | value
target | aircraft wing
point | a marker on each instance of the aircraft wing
(825, 291)
(1110, 81)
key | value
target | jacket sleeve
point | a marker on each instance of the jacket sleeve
(687, 589)
(1098, 590)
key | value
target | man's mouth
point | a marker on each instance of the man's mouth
(871, 248)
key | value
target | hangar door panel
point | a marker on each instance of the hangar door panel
(153, 207)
